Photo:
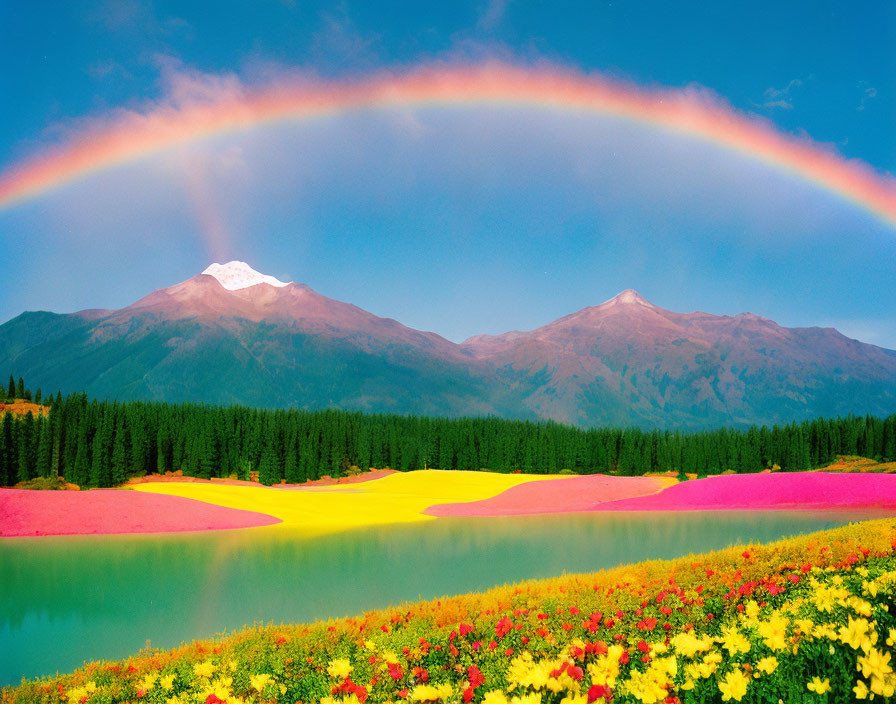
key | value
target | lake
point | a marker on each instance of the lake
(64, 600)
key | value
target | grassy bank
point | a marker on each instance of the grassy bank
(803, 619)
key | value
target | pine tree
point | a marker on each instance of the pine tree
(79, 473)
(44, 447)
(6, 441)
(291, 464)
(101, 456)
(20, 388)
(119, 460)
(25, 468)
(11, 389)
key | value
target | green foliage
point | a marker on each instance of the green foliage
(44, 484)
(104, 443)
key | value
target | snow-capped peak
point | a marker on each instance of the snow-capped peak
(237, 275)
(629, 296)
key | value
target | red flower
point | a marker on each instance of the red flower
(575, 672)
(475, 676)
(465, 628)
(468, 694)
(213, 699)
(598, 691)
(643, 647)
(503, 627)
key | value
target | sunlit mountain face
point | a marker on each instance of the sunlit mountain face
(234, 335)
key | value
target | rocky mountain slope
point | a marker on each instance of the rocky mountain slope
(233, 335)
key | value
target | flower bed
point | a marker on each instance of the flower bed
(562, 495)
(107, 511)
(804, 619)
(801, 490)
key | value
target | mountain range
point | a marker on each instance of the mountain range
(234, 336)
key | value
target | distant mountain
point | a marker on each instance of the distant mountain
(628, 361)
(233, 335)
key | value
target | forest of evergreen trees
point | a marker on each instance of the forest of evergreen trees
(101, 444)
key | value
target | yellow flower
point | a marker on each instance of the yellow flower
(734, 686)
(860, 690)
(806, 626)
(339, 669)
(574, 699)
(860, 606)
(818, 685)
(734, 641)
(688, 644)
(774, 632)
(875, 664)
(606, 669)
(767, 665)
(148, 682)
(203, 669)
(424, 693)
(76, 694)
(167, 682)
(884, 686)
(856, 634)
(259, 682)
(370, 645)
(531, 698)
(647, 686)
(496, 696)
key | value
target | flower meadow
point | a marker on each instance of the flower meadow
(807, 619)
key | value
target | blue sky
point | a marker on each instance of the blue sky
(461, 220)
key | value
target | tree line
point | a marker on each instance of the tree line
(102, 443)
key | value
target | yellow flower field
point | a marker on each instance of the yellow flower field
(397, 498)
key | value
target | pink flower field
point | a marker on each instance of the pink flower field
(104, 511)
(797, 490)
(562, 495)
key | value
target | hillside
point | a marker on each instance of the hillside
(231, 336)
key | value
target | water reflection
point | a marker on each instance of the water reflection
(64, 600)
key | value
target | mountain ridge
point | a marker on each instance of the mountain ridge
(626, 361)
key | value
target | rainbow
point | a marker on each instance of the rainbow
(135, 136)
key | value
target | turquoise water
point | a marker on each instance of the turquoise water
(69, 599)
